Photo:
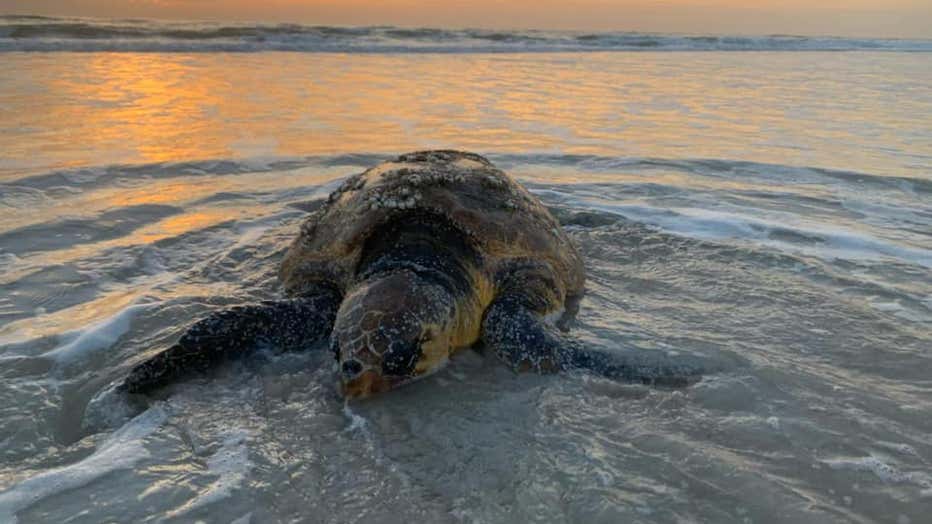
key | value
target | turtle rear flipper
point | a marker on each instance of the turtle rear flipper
(524, 341)
(233, 332)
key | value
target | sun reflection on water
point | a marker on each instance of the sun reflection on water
(108, 108)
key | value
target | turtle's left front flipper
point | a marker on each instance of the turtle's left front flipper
(522, 339)
(232, 332)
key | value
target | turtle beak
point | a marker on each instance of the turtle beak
(366, 384)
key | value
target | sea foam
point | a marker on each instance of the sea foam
(82, 34)
(122, 450)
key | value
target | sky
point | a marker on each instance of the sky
(875, 18)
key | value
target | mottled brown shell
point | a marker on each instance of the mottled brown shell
(506, 223)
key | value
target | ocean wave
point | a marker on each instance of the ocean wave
(17, 189)
(122, 450)
(28, 33)
(757, 203)
(824, 241)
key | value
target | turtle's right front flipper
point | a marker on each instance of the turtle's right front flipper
(233, 332)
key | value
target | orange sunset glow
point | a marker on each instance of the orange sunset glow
(454, 261)
(878, 18)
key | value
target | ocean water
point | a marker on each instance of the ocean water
(770, 209)
(38, 33)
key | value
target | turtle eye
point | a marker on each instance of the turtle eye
(401, 358)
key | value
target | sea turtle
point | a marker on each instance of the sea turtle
(405, 264)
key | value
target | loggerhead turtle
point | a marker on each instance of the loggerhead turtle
(405, 264)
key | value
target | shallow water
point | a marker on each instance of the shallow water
(771, 211)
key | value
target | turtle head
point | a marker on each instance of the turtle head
(392, 329)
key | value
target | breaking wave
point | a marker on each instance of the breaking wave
(34, 33)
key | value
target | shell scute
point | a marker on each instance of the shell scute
(504, 220)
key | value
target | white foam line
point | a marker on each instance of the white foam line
(54, 34)
(122, 450)
(230, 464)
(883, 470)
(96, 337)
(357, 422)
(705, 224)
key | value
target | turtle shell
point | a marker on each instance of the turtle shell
(506, 224)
